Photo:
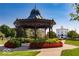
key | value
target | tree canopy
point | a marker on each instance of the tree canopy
(73, 34)
(52, 34)
(75, 15)
(7, 31)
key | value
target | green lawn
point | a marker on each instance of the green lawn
(20, 53)
(73, 42)
(71, 52)
(3, 41)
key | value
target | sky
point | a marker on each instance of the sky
(9, 12)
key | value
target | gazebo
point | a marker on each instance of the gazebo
(34, 21)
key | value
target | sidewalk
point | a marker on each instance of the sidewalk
(55, 51)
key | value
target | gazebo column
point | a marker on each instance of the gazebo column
(25, 32)
(49, 32)
(18, 34)
(50, 29)
(35, 33)
(45, 32)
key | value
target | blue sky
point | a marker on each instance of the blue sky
(57, 11)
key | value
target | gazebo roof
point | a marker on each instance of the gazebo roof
(34, 20)
(35, 14)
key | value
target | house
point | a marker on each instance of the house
(61, 32)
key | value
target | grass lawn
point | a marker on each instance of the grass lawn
(2, 41)
(19, 53)
(73, 42)
(71, 52)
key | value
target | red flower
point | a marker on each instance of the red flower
(46, 45)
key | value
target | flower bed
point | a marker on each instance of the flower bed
(13, 43)
(45, 45)
(9, 44)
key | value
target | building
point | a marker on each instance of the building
(62, 32)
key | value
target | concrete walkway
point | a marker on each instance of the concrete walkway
(24, 47)
(55, 51)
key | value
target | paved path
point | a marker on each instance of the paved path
(22, 48)
(55, 51)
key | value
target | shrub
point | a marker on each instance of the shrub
(38, 40)
(17, 43)
(51, 45)
(52, 40)
(22, 40)
(46, 43)
(72, 34)
(25, 40)
(52, 34)
(13, 43)
(9, 44)
(29, 40)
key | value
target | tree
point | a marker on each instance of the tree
(1, 35)
(72, 34)
(75, 15)
(5, 29)
(12, 32)
(52, 34)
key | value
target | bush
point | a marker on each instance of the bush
(46, 43)
(9, 44)
(51, 45)
(17, 43)
(13, 43)
(52, 34)
(55, 40)
(38, 40)
(72, 34)
(25, 40)
(22, 40)
(29, 40)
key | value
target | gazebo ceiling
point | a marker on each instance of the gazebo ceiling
(34, 20)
